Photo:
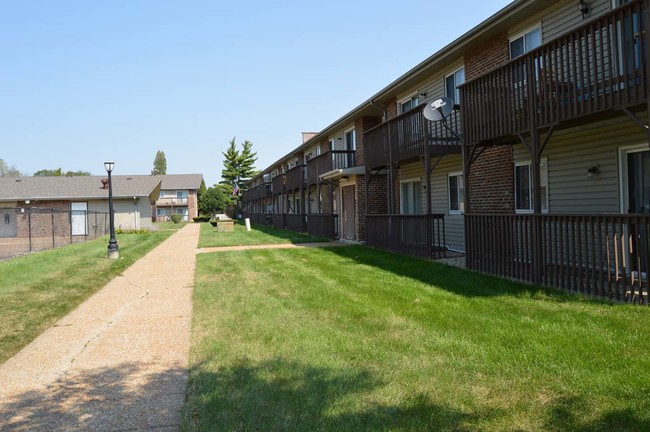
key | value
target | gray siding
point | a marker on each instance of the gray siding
(572, 151)
(128, 213)
(454, 223)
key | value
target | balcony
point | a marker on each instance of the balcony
(336, 159)
(278, 184)
(596, 68)
(171, 201)
(296, 177)
(601, 255)
(406, 136)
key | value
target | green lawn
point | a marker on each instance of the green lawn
(259, 234)
(351, 339)
(38, 289)
(168, 225)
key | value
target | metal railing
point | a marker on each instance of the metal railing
(24, 230)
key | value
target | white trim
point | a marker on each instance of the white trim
(461, 197)
(543, 161)
(413, 95)
(622, 172)
(456, 90)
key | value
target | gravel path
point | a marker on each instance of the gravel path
(116, 363)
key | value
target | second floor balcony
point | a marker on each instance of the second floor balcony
(326, 162)
(172, 201)
(406, 137)
(278, 183)
(598, 67)
(296, 177)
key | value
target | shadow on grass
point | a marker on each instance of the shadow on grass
(292, 236)
(281, 395)
(456, 280)
(105, 399)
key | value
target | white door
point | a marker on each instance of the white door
(78, 215)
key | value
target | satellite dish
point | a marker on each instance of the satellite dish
(438, 109)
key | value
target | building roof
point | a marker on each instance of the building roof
(181, 181)
(80, 187)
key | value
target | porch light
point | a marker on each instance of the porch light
(108, 166)
(584, 8)
(594, 170)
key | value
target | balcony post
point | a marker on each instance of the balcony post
(537, 241)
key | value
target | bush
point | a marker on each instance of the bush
(132, 231)
(201, 218)
(176, 218)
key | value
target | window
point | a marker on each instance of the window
(181, 194)
(451, 85)
(524, 42)
(408, 104)
(456, 193)
(411, 197)
(331, 145)
(524, 186)
(349, 140)
(162, 211)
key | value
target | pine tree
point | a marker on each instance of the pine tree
(238, 165)
(159, 164)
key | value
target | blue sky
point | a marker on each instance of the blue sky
(82, 82)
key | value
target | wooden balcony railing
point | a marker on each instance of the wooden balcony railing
(171, 201)
(601, 255)
(323, 225)
(405, 137)
(422, 236)
(296, 177)
(278, 183)
(597, 67)
(295, 222)
(335, 159)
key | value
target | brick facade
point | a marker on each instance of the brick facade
(391, 109)
(491, 181)
(487, 57)
(43, 215)
(361, 125)
(377, 195)
(360, 223)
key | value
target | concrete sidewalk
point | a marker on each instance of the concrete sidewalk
(119, 361)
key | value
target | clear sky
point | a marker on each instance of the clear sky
(82, 82)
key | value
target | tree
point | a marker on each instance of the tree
(238, 165)
(212, 201)
(159, 164)
(59, 173)
(8, 171)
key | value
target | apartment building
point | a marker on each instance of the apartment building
(541, 172)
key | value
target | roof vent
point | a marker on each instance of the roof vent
(129, 178)
(104, 183)
(18, 180)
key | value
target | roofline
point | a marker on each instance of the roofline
(473, 34)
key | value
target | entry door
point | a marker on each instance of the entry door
(79, 211)
(349, 213)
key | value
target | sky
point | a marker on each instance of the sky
(83, 82)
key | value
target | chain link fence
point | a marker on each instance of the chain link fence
(24, 230)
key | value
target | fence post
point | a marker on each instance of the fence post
(29, 226)
(52, 217)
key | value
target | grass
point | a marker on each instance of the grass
(36, 290)
(259, 234)
(351, 339)
(168, 225)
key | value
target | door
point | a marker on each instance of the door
(637, 201)
(349, 213)
(78, 216)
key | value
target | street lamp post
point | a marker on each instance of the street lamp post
(113, 252)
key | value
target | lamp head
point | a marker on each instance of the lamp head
(108, 166)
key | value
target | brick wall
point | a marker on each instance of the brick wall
(487, 57)
(360, 223)
(492, 182)
(41, 221)
(391, 109)
(361, 125)
(324, 145)
(377, 195)
(192, 205)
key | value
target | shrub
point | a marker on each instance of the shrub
(202, 218)
(176, 218)
(132, 231)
